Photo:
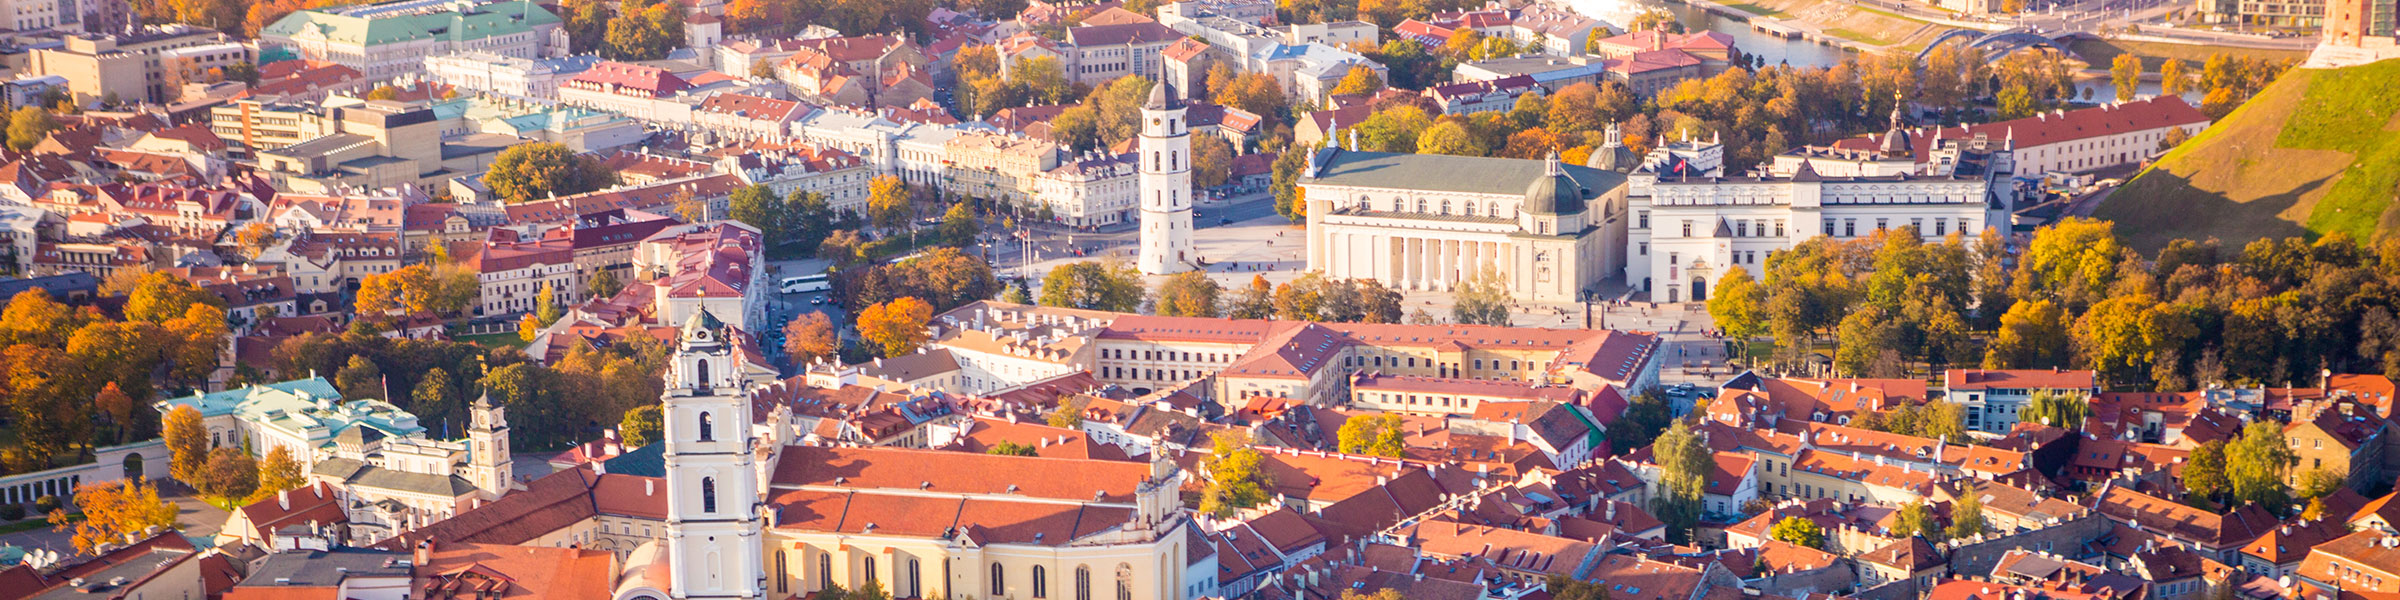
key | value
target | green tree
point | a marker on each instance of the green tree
(1379, 435)
(2016, 101)
(1009, 448)
(545, 305)
(642, 425)
(1684, 465)
(1966, 515)
(605, 284)
(529, 172)
(359, 379)
(434, 394)
(1915, 519)
(2064, 411)
(958, 225)
(1481, 300)
(2204, 477)
(1798, 531)
(2317, 483)
(1069, 414)
(2255, 465)
(27, 126)
(1093, 285)
(758, 207)
(1187, 294)
(1237, 478)
(1286, 182)
(1738, 307)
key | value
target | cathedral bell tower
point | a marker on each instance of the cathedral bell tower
(713, 528)
(1165, 157)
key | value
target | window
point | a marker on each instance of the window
(1041, 582)
(1124, 581)
(1828, 226)
(708, 494)
(1849, 227)
(1779, 228)
(707, 433)
(825, 570)
(781, 582)
(1641, 219)
(1687, 228)
(1674, 258)
(1083, 582)
(870, 568)
(999, 581)
(1643, 248)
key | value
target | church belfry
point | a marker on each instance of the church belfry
(488, 460)
(713, 526)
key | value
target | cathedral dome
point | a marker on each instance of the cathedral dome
(1554, 193)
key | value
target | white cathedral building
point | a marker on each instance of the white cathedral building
(752, 516)
(1549, 230)
(1692, 224)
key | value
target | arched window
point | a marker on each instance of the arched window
(999, 581)
(916, 587)
(708, 494)
(781, 583)
(870, 568)
(824, 570)
(1083, 582)
(1041, 582)
(708, 432)
(701, 374)
(1420, 205)
(1124, 581)
(1445, 207)
(1470, 206)
(1495, 209)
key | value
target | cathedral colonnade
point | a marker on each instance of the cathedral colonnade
(1422, 263)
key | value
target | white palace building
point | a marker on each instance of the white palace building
(1691, 224)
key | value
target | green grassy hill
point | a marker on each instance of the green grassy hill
(2316, 152)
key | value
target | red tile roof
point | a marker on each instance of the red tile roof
(2058, 127)
(957, 472)
(652, 81)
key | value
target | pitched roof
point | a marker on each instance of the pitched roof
(957, 472)
(2058, 127)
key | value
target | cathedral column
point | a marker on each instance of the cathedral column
(1475, 259)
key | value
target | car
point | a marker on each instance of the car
(819, 301)
(1224, 221)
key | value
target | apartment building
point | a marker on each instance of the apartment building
(134, 66)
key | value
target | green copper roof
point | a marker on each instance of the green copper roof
(379, 24)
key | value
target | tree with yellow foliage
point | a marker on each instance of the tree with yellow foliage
(116, 512)
(896, 327)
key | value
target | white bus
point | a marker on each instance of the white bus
(806, 284)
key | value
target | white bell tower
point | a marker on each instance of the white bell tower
(1165, 155)
(713, 529)
(489, 466)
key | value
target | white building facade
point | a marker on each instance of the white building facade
(1431, 222)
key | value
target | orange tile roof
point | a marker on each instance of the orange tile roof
(957, 472)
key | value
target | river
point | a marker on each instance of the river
(1776, 50)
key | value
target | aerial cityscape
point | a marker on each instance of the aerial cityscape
(1200, 299)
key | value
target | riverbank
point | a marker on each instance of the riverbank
(1830, 23)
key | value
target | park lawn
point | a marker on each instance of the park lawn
(2317, 152)
(33, 521)
(1757, 10)
(495, 340)
(2100, 53)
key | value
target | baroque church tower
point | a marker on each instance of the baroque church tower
(713, 528)
(1166, 186)
(488, 461)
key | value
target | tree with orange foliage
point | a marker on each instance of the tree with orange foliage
(116, 512)
(809, 337)
(1532, 143)
(896, 327)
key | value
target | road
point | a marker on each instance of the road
(198, 519)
